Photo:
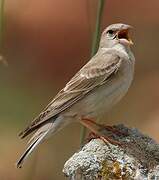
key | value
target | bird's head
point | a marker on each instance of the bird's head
(116, 34)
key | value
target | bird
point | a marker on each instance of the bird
(100, 84)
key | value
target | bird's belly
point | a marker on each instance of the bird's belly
(104, 99)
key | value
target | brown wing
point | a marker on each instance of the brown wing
(96, 72)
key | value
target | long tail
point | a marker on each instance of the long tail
(37, 138)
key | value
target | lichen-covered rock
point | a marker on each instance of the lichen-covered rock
(137, 158)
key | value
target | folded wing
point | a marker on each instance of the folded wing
(96, 72)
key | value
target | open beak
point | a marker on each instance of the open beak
(124, 37)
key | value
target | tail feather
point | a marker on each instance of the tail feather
(35, 140)
(29, 150)
(41, 134)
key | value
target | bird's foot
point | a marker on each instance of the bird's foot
(97, 131)
(106, 139)
(113, 130)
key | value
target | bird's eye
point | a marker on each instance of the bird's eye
(110, 32)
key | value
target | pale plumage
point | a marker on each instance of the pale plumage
(100, 84)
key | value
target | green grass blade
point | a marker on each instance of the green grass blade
(2, 2)
(97, 32)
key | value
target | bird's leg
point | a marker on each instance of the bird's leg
(113, 130)
(96, 129)
(91, 136)
(107, 127)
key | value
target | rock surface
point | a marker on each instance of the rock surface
(136, 158)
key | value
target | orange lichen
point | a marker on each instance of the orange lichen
(111, 170)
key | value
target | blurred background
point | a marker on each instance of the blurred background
(45, 43)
